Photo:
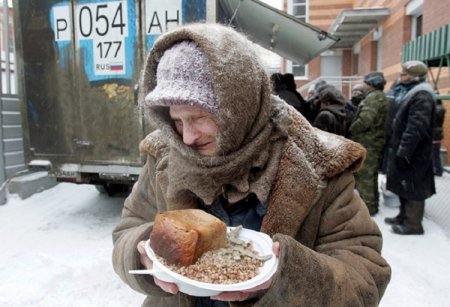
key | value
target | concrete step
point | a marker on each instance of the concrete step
(30, 183)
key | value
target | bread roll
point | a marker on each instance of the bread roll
(182, 236)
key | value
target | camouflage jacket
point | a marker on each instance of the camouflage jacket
(369, 122)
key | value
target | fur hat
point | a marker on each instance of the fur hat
(329, 94)
(183, 78)
(414, 68)
(375, 79)
(359, 88)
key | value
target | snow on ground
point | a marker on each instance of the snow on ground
(420, 265)
(56, 251)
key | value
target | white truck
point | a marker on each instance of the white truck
(79, 63)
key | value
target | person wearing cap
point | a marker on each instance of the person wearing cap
(368, 130)
(358, 94)
(280, 88)
(352, 106)
(291, 86)
(312, 104)
(332, 114)
(224, 144)
(410, 169)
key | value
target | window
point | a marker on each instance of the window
(417, 25)
(298, 8)
(415, 9)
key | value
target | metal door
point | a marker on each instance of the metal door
(80, 64)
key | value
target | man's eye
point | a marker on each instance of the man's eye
(178, 123)
(204, 119)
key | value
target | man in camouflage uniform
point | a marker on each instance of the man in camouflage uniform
(368, 129)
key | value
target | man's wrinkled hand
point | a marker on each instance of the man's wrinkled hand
(148, 264)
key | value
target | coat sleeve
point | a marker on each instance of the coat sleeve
(135, 225)
(420, 115)
(365, 117)
(344, 267)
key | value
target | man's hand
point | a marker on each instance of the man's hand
(257, 291)
(148, 263)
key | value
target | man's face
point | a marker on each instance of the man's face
(357, 93)
(197, 127)
(406, 78)
(367, 87)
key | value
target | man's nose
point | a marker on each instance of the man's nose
(190, 134)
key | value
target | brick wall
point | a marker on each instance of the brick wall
(435, 14)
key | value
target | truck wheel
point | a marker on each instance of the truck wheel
(113, 189)
(101, 188)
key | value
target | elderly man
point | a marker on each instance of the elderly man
(410, 169)
(225, 145)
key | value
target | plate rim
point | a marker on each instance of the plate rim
(243, 285)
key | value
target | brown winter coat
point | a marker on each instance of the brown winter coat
(330, 247)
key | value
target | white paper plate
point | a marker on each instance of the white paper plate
(262, 243)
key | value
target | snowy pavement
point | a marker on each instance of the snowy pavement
(56, 251)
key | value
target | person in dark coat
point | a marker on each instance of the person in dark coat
(289, 80)
(312, 103)
(410, 170)
(331, 115)
(280, 88)
(438, 136)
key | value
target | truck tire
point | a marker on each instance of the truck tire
(113, 189)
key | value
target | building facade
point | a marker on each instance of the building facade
(373, 37)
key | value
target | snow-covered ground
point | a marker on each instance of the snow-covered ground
(56, 251)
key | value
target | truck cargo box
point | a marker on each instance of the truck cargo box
(79, 64)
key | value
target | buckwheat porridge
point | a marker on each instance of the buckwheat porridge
(237, 262)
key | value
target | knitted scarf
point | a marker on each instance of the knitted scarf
(250, 169)
(400, 90)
